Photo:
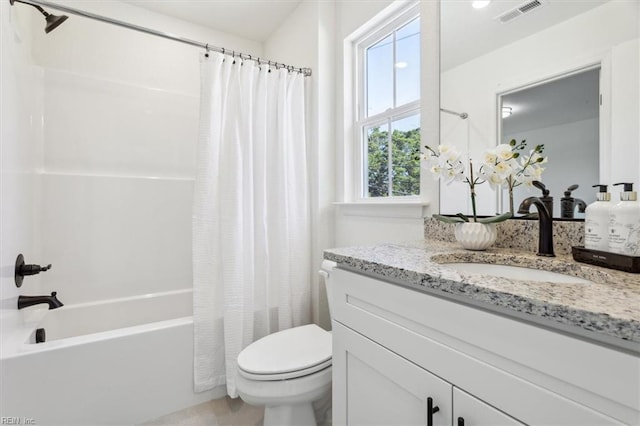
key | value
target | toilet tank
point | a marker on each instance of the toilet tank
(325, 272)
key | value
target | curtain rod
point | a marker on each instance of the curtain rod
(305, 71)
(462, 115)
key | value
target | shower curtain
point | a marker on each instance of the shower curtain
(251, 226)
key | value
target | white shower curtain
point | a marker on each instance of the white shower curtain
(251, 226)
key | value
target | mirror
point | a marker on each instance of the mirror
(562, 114)
(549, 61)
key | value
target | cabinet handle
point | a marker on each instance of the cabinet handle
(460, 421)
(431, 410)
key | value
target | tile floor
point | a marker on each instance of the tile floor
(231, 412)
(219, 412)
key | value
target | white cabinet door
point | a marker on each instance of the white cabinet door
(470, 411)
(374, 386)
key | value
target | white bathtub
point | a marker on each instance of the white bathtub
(121, 361)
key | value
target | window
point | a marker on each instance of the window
(388, 116)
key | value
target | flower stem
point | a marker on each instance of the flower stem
(510, 185)
(472, 186)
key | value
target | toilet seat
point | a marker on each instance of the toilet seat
(287, 354)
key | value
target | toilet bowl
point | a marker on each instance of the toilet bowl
(287, 371)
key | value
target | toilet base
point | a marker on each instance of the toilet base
(298, 414)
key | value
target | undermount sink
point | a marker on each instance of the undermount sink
(515, 272)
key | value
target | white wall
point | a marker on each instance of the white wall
(121, 118)
(19, 146)
(608, 33)
(306, 39)
(566, 166)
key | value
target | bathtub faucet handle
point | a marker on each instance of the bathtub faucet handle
(34, 269)
(22, 270)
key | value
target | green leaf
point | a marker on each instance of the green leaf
(496, 219)
(463, 217)
(451, 219)
(512, 142)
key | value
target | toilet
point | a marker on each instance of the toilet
(287, 371)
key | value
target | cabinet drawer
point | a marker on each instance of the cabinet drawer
(470, 411)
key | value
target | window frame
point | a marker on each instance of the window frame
(362, 123)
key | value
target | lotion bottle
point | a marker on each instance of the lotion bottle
(624, 223)
(596, 221)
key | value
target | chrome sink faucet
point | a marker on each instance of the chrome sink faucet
(545, 222)
(52, 301)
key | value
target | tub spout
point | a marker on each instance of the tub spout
(52, 301)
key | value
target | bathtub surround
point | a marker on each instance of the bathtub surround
(251, 223)
(520, 234)
(99, 132)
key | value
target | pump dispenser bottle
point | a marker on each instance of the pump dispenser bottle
(596, 221)
(624, 223)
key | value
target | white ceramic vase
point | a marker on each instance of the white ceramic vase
(476, 236)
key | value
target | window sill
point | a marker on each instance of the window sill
(395, 209)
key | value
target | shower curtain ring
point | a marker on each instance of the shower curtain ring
(206, 50)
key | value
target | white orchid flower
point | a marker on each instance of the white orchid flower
(494, 179)
(537, 172)
(490, 157)
(504, 169)
(504, 152)
(443, 149)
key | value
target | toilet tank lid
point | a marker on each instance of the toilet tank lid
(286, 351)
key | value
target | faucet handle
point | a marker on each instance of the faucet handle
(541, 186)
(22, 270)
(34, 269)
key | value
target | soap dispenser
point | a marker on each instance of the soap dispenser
(596, 221)
(624, 223)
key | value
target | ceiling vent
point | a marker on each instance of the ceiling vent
(517, 12)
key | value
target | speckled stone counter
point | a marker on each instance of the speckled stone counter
(520, 234)
(607, 310)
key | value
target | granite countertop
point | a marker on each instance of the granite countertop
(607, 310)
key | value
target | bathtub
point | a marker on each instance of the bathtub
(122, 361)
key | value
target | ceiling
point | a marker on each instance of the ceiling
(561, 101)
(252, 19)
(467, 33)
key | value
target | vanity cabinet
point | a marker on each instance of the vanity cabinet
(382, 388)
(395, 348)
(470, 411)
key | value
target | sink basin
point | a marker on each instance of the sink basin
(515, 272)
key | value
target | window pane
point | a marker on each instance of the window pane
(408, 63)
(406, 156)
(377, 170)
(379, 58)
